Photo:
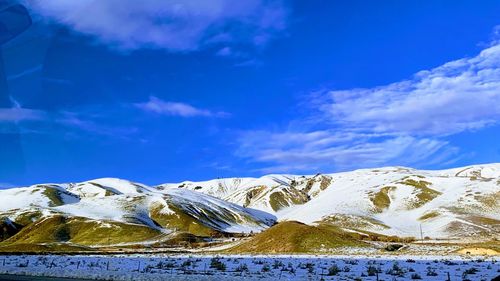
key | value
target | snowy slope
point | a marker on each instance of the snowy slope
(460, 202)
(125, 202)
(258, 193)
(390, 200)
(455, 203)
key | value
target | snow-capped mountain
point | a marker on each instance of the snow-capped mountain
(389, 200)
(108, 208)
(461, 202)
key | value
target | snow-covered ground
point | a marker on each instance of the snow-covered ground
(302, 267)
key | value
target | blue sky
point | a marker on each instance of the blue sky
(164, 91)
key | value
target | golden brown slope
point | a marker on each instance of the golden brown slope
(81, 231)
(296, 237)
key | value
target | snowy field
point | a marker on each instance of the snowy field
(202, 267)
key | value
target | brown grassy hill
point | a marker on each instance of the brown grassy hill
(81, 231)
(296, 237)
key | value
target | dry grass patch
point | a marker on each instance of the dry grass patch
(489, 201)
(381, 200)
(429, 215)
(255, 193)
(353, 222)
(81, 231)
(179, 221)
(422, 192)
(55, 195)
(296, 237)
(478, 252)
(287, 197)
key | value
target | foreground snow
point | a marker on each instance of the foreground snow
(202, 267)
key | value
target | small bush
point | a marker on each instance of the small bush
(371, 270)
(242, 268)
(310, 270)
(217, 264)
(472, 270)
(415, 276)
(266, 268)
(333, 270)
(277, 264)
(431, 271)
(396, 270)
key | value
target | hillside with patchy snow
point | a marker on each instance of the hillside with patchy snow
(392, 200)
(455, 203)
(114, 211)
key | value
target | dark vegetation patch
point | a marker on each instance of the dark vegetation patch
(393, 247)
(8, 228)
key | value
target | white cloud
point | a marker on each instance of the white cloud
(17, 114)
(176, 25)
(404, 123)
(458, 96)
(159, 106)
(331, 150)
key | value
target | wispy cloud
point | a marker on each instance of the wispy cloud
(158, 106)
(18, 114)
(25, 72)
(171, 24)
(333, 150)
(404, 123)
(88, 124)
(73, 124)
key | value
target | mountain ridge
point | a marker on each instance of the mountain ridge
(443, 200)
(455, 203)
